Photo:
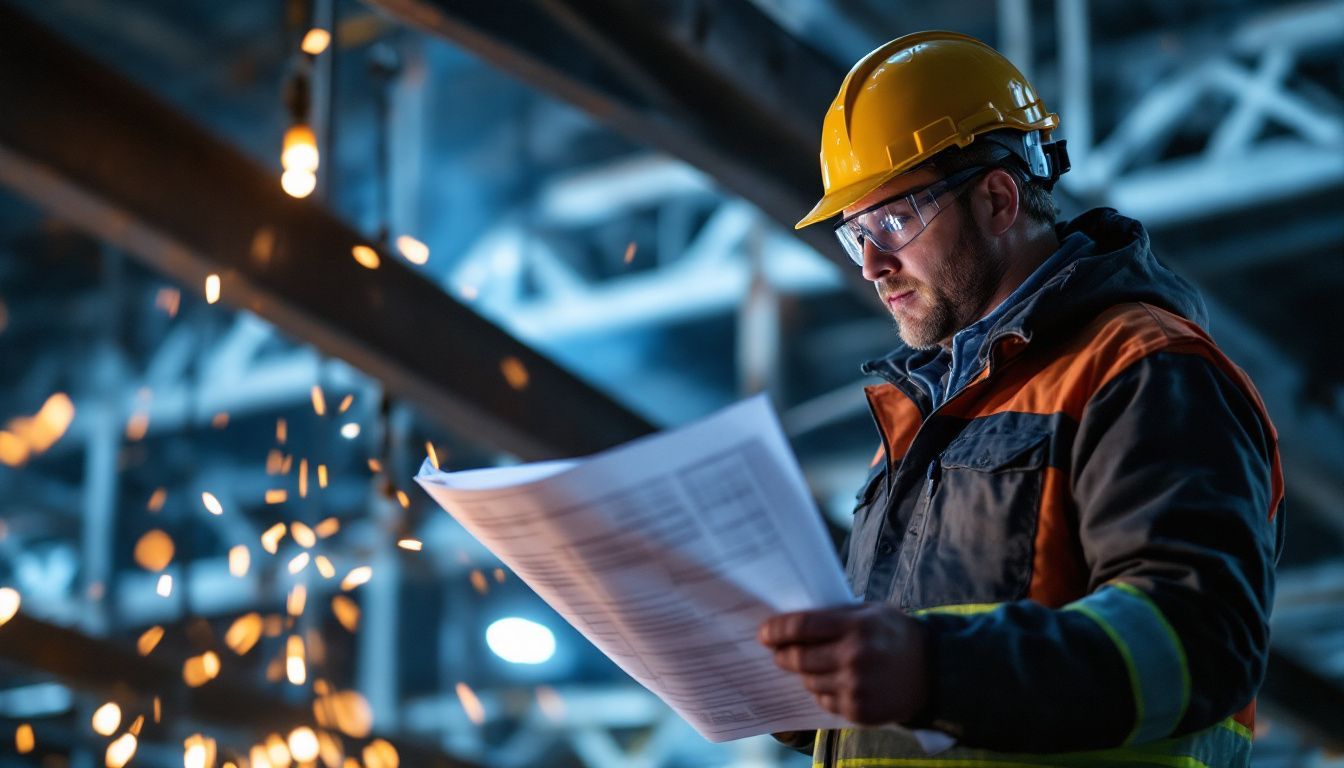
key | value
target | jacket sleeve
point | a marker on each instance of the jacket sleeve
(1171, 475)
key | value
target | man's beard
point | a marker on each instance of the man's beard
(960, 287)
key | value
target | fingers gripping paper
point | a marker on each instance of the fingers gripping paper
(667, 553)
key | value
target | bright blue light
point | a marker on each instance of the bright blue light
(520, 641)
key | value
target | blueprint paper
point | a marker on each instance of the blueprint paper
(667, 553)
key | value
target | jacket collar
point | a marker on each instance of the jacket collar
(1121, 268)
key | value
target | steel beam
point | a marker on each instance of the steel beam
(101, 153)
(719, 85)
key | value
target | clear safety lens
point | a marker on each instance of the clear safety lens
(894, 222)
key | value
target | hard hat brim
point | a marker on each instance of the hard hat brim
(842, 198)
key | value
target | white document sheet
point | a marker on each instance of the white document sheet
(667, 553)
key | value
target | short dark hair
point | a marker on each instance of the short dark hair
(1037, 200)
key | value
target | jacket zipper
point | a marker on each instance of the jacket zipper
(931, 478)
(933, 475)
(988, 375)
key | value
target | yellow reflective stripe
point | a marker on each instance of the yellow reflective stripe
(1238, 728)
(1153, 656)
(1225, 744)
(1174, 639)
(1123, 648)
(964, 610)
(1145, 758)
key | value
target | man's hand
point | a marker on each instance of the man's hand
(799, 740)
(866, 663)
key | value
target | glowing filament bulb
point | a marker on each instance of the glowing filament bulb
(298, 183)
(300, 151)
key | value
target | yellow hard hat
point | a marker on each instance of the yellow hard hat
(909, 100)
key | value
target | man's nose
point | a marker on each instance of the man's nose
(877, 263)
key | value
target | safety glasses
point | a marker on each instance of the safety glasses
(892, 223)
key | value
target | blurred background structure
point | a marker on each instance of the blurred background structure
(259, 258)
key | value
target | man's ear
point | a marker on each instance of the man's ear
(998, 209)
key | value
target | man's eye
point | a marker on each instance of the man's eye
(894, 223)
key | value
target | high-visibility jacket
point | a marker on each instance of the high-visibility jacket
(1088, 528)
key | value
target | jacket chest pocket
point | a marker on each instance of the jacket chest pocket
(975, 541)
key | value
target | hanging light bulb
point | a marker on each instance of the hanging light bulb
(298, 183)
(300, 160)
(300, 152)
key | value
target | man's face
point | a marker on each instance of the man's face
(941, 281)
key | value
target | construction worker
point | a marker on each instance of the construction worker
(1066, 545)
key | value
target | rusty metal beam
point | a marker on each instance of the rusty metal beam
(97, 151)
